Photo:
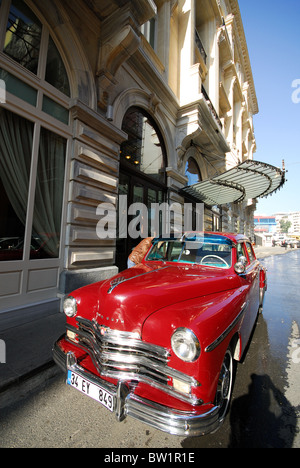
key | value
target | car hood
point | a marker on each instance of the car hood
(128, 299)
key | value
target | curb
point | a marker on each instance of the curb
(28, 384)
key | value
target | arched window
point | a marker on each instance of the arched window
(142, 173)
(192, 171)
(144, 151)
(34, 132)
(29, 46)
(193, 174)
(25, 44)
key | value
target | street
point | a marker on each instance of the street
(265, 406)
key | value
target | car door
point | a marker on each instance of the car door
(250, 279)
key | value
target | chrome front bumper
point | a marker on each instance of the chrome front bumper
(175, 422)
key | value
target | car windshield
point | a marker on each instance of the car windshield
(209, 250)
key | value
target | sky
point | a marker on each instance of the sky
(272, 32)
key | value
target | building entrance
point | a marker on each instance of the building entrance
(142, 175)
(136, 190)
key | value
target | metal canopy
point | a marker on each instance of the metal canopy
(250, 179)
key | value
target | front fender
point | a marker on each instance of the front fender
(214, 319)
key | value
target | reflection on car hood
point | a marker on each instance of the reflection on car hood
(125, 301)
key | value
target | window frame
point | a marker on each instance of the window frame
(150, 32)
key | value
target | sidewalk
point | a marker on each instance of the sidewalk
(28, 349)
(262, 252)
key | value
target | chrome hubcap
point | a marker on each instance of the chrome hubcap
(224, 385)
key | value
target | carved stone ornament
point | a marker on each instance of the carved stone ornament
(119, 40)
(114, 52)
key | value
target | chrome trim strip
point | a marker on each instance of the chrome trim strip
(175, 422)
(120, 338)
(115, 282)
(219, 340)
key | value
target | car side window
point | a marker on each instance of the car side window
(241, 250)
(250, 251)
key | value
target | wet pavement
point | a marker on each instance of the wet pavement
(265, 408)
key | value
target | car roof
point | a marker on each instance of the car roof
(234, 237)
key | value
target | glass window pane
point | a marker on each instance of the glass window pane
(18, 88)
(152, 157)
(241, 250)
(123, 184)
(48, 196)
(152, 28)
(152, 196)
(56, 110)
(16, 135)
(138, 194)
(23, 36)
(56, 73)
(192, 171)
(250, 252)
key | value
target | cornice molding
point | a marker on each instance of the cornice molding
(239, 30)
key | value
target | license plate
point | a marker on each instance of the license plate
(90, 389)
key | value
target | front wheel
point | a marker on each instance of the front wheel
(225, 384)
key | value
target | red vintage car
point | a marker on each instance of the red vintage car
(158, 341)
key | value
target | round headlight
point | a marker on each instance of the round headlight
(185, 345)
(70, 306)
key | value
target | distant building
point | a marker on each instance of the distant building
(293, 217)
(264, 224)
(264, 229)
(268, 228)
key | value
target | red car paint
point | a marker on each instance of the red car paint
(153, 300)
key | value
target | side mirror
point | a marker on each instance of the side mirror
(240, 266)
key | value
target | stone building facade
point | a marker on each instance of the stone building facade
(106, 98)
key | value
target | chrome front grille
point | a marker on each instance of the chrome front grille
(124, 356)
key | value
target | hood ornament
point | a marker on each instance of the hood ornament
(114, 283)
